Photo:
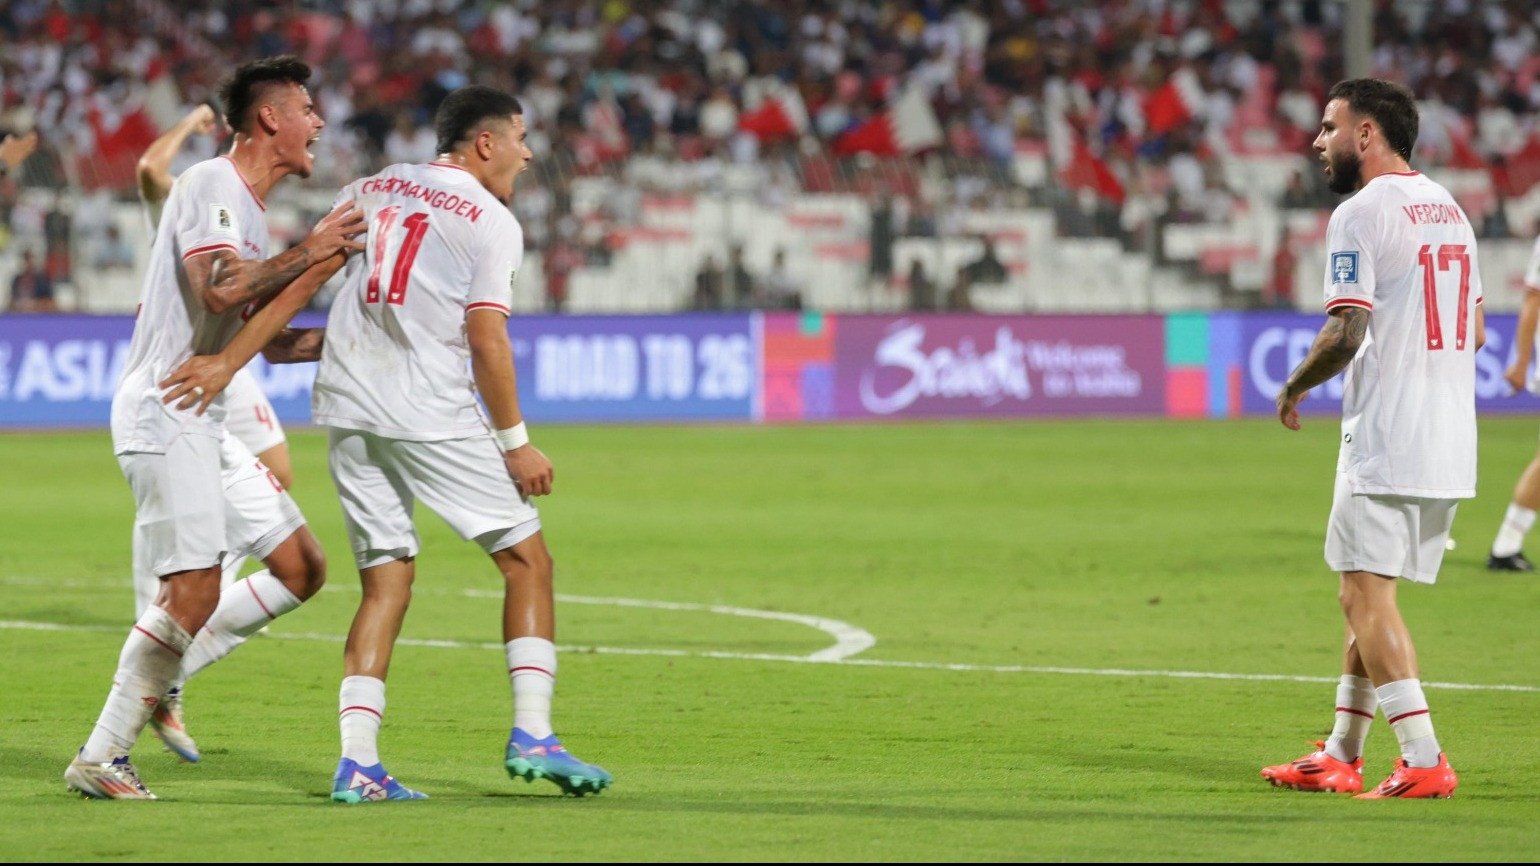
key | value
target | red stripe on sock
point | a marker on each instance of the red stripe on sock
(170, 649)
(377, 713)
(1369, 716)
(1408, 715)
(538, 670)
(258, 598)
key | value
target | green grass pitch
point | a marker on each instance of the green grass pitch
(1139, 546)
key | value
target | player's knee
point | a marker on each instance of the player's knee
(315, 568)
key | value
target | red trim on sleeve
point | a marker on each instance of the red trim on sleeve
(1412, 173)
(488, 305)
(248, 186)
(208, 248)
(1334, 303)
(1478, 301)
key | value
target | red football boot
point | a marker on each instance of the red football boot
(1318, 771)
(1417, 782)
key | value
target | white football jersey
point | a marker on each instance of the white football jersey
(1532, 273)
(396, 358)
(211, 208)
(1403, 249)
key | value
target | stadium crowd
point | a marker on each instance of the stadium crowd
(1128, 105)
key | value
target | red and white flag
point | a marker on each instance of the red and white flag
(908, 125)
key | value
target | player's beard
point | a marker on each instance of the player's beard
(1346, 171)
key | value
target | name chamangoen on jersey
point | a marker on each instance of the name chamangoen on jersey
(1403, 249)
(396, 357)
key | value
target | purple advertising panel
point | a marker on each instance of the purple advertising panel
(636, 368)
(941, 366)
(61, 371)
(1273, 344)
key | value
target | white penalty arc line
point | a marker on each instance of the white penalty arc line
(848, 639)
(1134, 673)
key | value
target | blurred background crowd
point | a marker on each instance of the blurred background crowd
(1012, 155)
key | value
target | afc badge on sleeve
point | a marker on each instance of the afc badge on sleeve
(1344, 267)
(222, 221)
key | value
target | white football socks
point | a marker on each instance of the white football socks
(244, 608)
(230, 572)
(360, 710)
(1406, 709)
(1516, 524)
(1356, 703)
(532, 670)
(151, 657)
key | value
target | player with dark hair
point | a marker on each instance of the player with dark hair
(198, 492)
(1403, 298)
(430, 297)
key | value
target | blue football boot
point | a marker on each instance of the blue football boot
(530, 759)
(355, 784)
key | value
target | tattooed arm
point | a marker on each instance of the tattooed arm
(224, 281)
(1334, 347)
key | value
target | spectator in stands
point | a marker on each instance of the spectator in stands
(879, 239)
(741, 287)
(987, 268)
(562, 257)
(922, 290)
(960, 298)
(708, 285)
(1296, 196)
(114, 252)
(780, 290)
(1495, 224)
(31, 289)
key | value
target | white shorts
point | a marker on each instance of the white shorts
(201, 498)
(249, 416)
(1397, 536)
(463, 481)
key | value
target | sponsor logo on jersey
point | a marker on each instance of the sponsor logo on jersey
(1344, 267)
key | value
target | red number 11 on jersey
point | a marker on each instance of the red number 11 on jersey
(416, 226)
(1447, 253)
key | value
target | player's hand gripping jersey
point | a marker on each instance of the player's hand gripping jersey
(1402, 248)
(396, 354)
(211, 208)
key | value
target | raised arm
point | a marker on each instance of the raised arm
(492, 368)
(15, 149)
(154, 169)
(1335, 346)
(223, 280)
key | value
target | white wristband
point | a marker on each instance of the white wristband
(513, 437)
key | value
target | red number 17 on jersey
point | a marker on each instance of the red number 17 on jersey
(1447, 253)
(416, 226)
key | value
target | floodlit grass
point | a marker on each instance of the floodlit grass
(1153, 546)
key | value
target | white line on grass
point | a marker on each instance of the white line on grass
(872, 663)
(848, 639)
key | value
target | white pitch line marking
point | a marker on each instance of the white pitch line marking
(848, 639)
(872, 663)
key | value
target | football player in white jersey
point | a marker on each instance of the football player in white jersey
(198, 492)
(430, 298)
(249, 417)
(1508, 548)
(1403, 298)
